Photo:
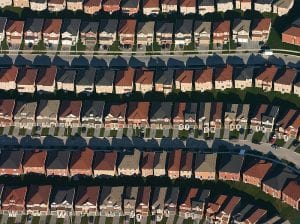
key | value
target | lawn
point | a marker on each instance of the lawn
(257, 137)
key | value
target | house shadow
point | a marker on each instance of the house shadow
(5, 60)
(175, 63)
(7, 141)
(57, 60)
(99, 143)
(157, 63)
(22, 61)
(195, 62)
(98, 63)
(198, 145)
(138, 142)
(151, 143)
(178, 143)
(214, 60)
(235, 60)
(80, 61)
(30, 142)
(118, 62)
(136, 63)
(166, 143)
(276, 61)
(76, 142)
(42, 60)
(256, 59)
(123, 142)
(52, 141)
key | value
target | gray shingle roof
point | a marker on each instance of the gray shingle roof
(201, 26)
(244, 74)
(231, 163)
(172, 195)
(27, 108)
(271, 114)
(112, 194)
(164, 27)
(161, 110)
(190, 111)
(34, 25)
(145, 27)
(241, 25)
(264, 1)
(66, 76)
(130, 161)
(206, 3)
(130, 3)
(205, 162)
(184, 26)
(240, 216)
(3, 21)
(108, 25)
(87, 26)
(57, 159)
(164, 77)
(201, 198)
(86, 77)
(48, 108)
(158, 197)
(94, 108)
(11, 159)
(61, 194)
(71, 26)
(105, 77)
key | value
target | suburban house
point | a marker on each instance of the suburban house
(243, 5)
(92, 114)
(145, 33)
(21, 3)
(263, 5)
(57, 163)
(205, 166)
(111, 201)
(33, 31)
(183, 34)
(105, 163)
(147, 163)
(203, 79)
(204, 117)
(241, 30)
(202, 32)
(45, 81)
(92, 6)
(111, 6)
(256, 216)
(160, 161)
(282, 7)
(129, 164)
(158, 202)
(70, 32)
(137, 114)
(61, 202)
(168, 6)
(34, 161)
(224, 5)
(261, 29)
(144, 80)
(85, 81)
(86, 200)
(290, 194)
(231, 167)
(256, 115)
(13, 200)
(230, 116)
(47, 113)
(199, 204)
(164, 81)
(38, 5)
(284, 83)
(241, 120)
(185, 202)
(187, 7)
(24, 114)
(151, 7)
(160, 115)
(265, 79)
(287, 125)
(164, 34)
(66, 80)
(216, 116)
(75, 5)
(173, 166)
(171, 199)
(124, 81)
(184, 115)
(223, 77)
(184, 80)
(186, 164)
(56, 5)
(244, 78)
(129, 201)
(26, 80)
(8, 78)
(268, 119)
(130, 7)
(104, 81)
(214, 207)
(69, 113)
(51, 31)
(241, 215)
(126, 32)
(206, 6)
(231, 208)
(14, 32)
(89, 33)
(115, 118)
(6, 112)
(107, 32)
(291, 35)
(37, 200)
(142, 206)
(5, 3)
(221, 32)
(81, 162)
(11, 162)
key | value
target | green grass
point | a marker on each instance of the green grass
(113, 133)
(45, 132)
(257, 137)
(22, 131)
(109, 220)
(183, 134)
(39, 47)
(234, 134)
(147, 133)
(159, 133)
(114, 46)
(102, 131)
(90, 132)
(279, 142)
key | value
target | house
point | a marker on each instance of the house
(206, 6)
(92, 114)
(81, 162)
(231, 208)
(265, 79)
(3, 21)
(75, 5)
(47, 113)
(231, 167)
(171, 199)
(241, 215)
(241, 120)
(144, 80)
(6, 112)
(184, 80)
(236, 116)
(159, 165)
(183, 34)
(204, 117)
(38, 5)
(256, 216)
(151, 7)
(24, 114)
(168, 6)
(160, 115)
(203, 79)
(57, 163)
(5, 3)
(137, 114)
(186, 164)
(199, 204)
(129, 164)
(185, 202)
(115, 118)
(187, 7)
(244, 78)
(143, 203)
(224, 5)
(13, 200)
(11, 162)
(164, 81)
(92, 6)
(26, 80)
(70, 32)
(216, 115)
(268, 119)
(66, 80)
(158, 203)
(34, 161)
(145, 33)
(89, 33)
(202, 31)
(214, 207)
(45, 81)
(147, 163)
(61, 202)
(288, 124)
(37, 200)
(282, 7)
(263, 5)
(256, 115)
(223, 77)
(261, 29)
(284, 83)
(69, 113)
(14, 32)
(33, 31)
(184, 115)
(124, 81)
(51, 32)
(126, 32)
(291, 35)
(221, 32)
(129, 201)
(56, 5)
(241, 30)
(86, 200)
(130, 7)
(105, 163)
(255, 171)
(104, 81)
(21, 3)
(107, 32)
(111, 201)
(8, 78)
(164, 34)
(243, 5)
(290, 194)
(205, 166)
(111, 6)
(85, 81)
(173, 166)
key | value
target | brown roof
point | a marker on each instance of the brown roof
(292, 31)
(186, 162)
(52, 26)
(184, 76)
(86, 194)
(68, 107)
(138, 110)
(38, 194)
(46, 76)
(224, 74)
(286, 119)
(111, 2)
(216, 110)
(213, 207)
(124, 77)
(292, 190)
(174, 160)
(229, 208)
(34, 158)
(189, 197)
(188, 3)
(9, 74)
(222, 27)
(144, 76)
(7, 107)
(91, 3)
(261, 24)
(143, 196)
(262, 109)
(258, 169)
(127, 26)
(288, 77)
(82, 159)
(14, 194)
(118, 110)
(151, 3)
(178, 111)
(147, 160)
(60, 2)
(15, 26)
(169, 2)
(256, 215)
(268, 74)
(27, 76)
(105, 160)
(296, 123)
(203, 76)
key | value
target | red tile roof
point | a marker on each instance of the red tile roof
(46, 76)
(188, 3)
(292, 190)
(124, 77)
(256, 216)
(151, 3)
(147, 160)
(105, 160)
(15, 26)
(38, 194)
(127, 26)
(144, 76)
(118, 110)
(7, 107)
(9, 74)
(68, 107)
(288, 77)
(87, 194)
(52, 26)
(262, 24)
(27, 76)
(188, 199)
(138, 110)
(292, 31)
(203, 76)
(15, 195)
(268, 74)
(224, 74)
(184, 76)
(186, 161)
(82, 159)
(222, 27)
(178, 112)
(34, 158)
(259, 169)
(174, 160)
